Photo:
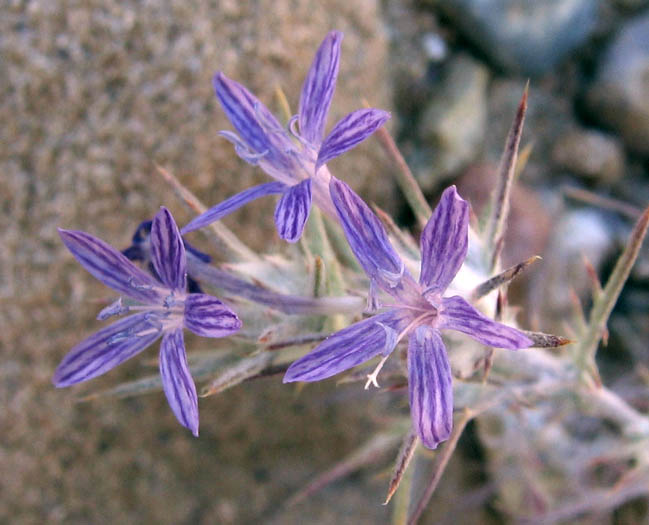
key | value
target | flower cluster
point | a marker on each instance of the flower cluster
(161, 304)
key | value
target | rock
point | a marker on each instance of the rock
(416, 47)
(619, 95)
(591, 154)
(453, 124)
(631, 5)
(576, 234)
(524, 36)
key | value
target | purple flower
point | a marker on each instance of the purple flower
(165, 309)
(419, 311)
(299, 168)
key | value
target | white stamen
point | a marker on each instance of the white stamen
(372, 378)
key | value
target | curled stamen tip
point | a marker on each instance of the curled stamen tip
(371, 380)
(118, 337)
(115, 308)
(169, 301)
(139, 286)
(393, 278)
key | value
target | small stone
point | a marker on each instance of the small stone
(453, 125)
(524, 36)
(619, 96)
(576, 234)
(591, 154)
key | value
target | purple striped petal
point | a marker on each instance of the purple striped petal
(457, 314)
(177, 381)
(430, 385)
(350, 131)
(367, 238)
(106, 349)
(256, 125)
(206, 316)
(292, 211)
(444, 241)
(168, 251)
(111, 267)
(351, 346)
(232, 204)
(318, 88)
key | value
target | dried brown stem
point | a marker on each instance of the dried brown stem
(439, 465)
(502, 278)
(224, 240)
(608, 203)
(404, 456)
(497, 220)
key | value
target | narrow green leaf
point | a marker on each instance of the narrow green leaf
(237, 373)
(603, 306)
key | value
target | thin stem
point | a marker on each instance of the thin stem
(289, 304)
(497, 220)
(406, 452)
(439, 465)
(223, 238)
(603, 306)
(405, 179)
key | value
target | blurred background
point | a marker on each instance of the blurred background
(94, 94)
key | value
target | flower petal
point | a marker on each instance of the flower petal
(367, 238)
(351, 346)
(292, 211)
(350, 131)
(318, 88)
(444, 241)
(232, 204)
(168, 251)
(206, 316)
(106, 349)
(256, 125)
(111, 267)
(430, 385)
(177, 381)
(457, 314)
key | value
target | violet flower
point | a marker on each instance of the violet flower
(166, 308)
(419, 311)
(299, 168)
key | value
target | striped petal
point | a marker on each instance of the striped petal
(292, 211)
(430, 386)
(206, 316)
(167, 251)
(350, 131)
(257, 126)
(444, 241)
(177, 382)
(367, 238)
(111, 267)
(106, 349)
(318, 88)
(457, 314)
(232, 204)
(351, 346)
